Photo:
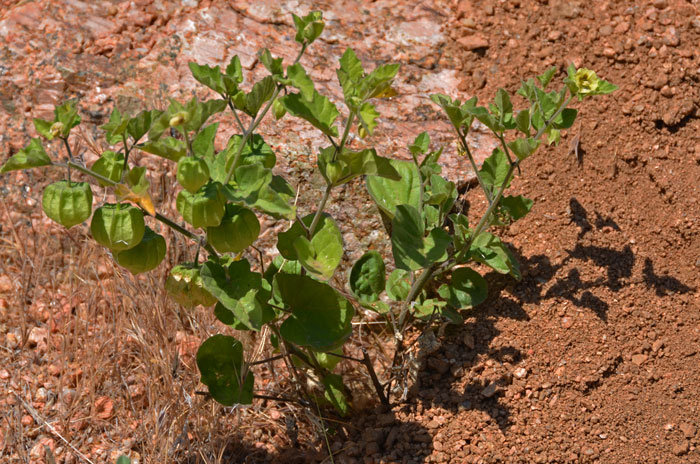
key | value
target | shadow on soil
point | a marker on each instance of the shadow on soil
(616, 269)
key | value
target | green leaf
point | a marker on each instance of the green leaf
(203, 143)
(516, 207)
(116, 127)
(488, 249)
(208, 76)
(462, 232)
(421, 144)
(495, 169)
(334, 392)
(399, 285)
(300, 80)
(123, 460)
(378, 81)
(162, 122)
(368, 115)
(220, 362)
(388, 193)
(524, 147)
(547, 76)
(239, 290)
(308, 27)
(460, 115)
(200, 112)
(274, 65)
(321, 318)
(260, 93)
(351, 164)
(427, 308)
(109, 165)
(367, 277)
(256, 187)
(486, 118)
(31, 156)
(605, 87)
(320, 112)
(322, 254)
(522, 122)
(140, 124)
(168, 148)
(443, 193)
(43, 128)
(350, 73)
(67, 114)
(466, 289)
(505, 107)
(565, 119)
(234, 71)
(255, 151)
(411, 248)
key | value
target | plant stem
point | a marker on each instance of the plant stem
(465, 146)
(373, 375)
(319, 211)
(158, 216)
(127, 150)
(263, 361)
(235, 113)
(70, 155)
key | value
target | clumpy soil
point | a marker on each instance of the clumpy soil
(594, 356)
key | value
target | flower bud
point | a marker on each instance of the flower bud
(56, 129)
(179, 119)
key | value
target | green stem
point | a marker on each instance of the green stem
(127, 150)
(319, 211)
(70, 155)
(188, 142)
(465, 146)
(168, 222)
(235, 113)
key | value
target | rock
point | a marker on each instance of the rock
(639, 359)
(666, 91)
(5, 284)
(37, 337)
(657, 345)
(473, 42)
(566, 322)
(468, 341)
(520, 373)
(605, 30)
(672, 37)
(489, 391)
(679, 449)
(660, 4)
(554, 36)
(688, 430)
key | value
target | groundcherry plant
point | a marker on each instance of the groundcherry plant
(292, 297)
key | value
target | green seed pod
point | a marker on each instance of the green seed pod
(109, 165)
(118, 226)
(67, 203)
(205, 208)
(185, 286)
(238, 230)
(192, 173)
(334, 172)
(145, 256)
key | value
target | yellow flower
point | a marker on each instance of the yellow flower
(586, 81)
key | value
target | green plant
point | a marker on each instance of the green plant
(293, 296)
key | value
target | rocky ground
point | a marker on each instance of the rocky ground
(593, 357)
